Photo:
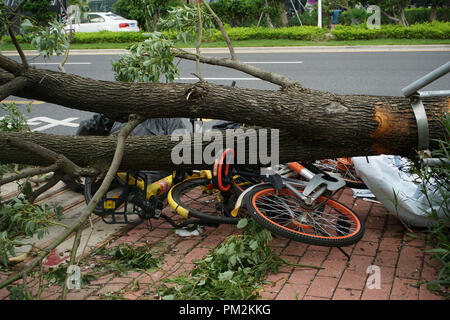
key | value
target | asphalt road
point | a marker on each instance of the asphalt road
(373, 73)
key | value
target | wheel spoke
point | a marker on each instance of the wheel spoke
(286, 209)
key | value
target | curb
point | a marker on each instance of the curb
(298, 49)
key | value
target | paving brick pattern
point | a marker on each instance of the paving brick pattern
(400, 262)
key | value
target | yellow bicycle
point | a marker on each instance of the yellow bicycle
(132, 199)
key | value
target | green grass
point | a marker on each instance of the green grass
(258, 43)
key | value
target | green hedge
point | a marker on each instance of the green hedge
(293, 33)
(434, 30)
(108, 36)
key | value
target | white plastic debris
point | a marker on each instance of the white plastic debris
(187, 233)
(362, 193)
(398, 189)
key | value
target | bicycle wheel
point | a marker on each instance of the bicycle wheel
(345, 168)
(198, 198)
(331, 224)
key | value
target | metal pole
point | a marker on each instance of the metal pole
(296, 13)
(426, 79)
(438, 93)
(319, 14)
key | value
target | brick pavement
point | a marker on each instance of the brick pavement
(400, 259)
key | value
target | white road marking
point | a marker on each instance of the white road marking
(57, 63)
(227, 79)
(274, 62)
(23, 101)
(51, 123)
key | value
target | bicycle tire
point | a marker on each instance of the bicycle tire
(201, 202)
(308, 225)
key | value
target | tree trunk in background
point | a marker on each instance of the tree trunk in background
(284, 18)
(403, 18)
(268, 20)
(433, 13)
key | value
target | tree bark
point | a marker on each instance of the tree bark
(284, 18)
(268, 20)
(313, 124)
(433, 13)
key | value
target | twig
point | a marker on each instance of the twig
(262, 74)
(41, 281)
(115, 164)
(25, 286)
(222, 30)
(29, 173)
(50, 183)
(199, 77)
(18, 47)
(17, 9)
(73, 255)
(199, 41)
(69, 40)
(88, 238)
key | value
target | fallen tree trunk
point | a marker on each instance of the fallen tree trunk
(313, 124)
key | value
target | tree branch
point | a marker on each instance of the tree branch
(262, 74)
(29, 173)
(63, 164)
(199, 41)
(73, 255)
(50, 183)
(17, 9)
(125, 131)
(18, 47)
(222, 30)
(10, 65)
(15, 85)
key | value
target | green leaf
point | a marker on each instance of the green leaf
(233, 260)
(26, 24)
(242, 223)
(226, 276)
(254, 244)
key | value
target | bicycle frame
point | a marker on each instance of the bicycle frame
(314, 187)
(145, 199)
(161, 186)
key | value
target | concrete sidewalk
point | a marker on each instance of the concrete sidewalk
(400, 259)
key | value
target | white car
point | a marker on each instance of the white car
(104, 21)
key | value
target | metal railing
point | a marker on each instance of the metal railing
(412, 91)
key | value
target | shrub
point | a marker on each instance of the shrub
(345, 18)
(434, 30)
(436, 181)
(108, 36)
(293, 33)
(422, 15)
(245, 13)
(309, 19)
